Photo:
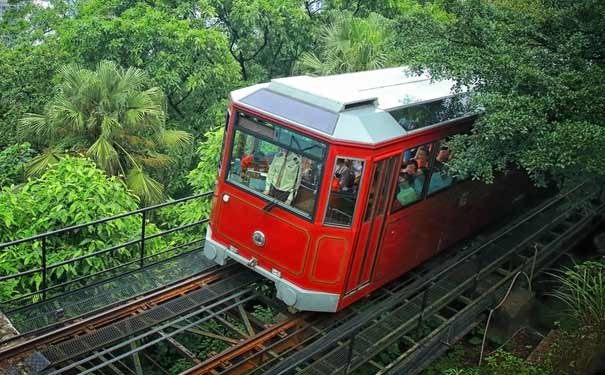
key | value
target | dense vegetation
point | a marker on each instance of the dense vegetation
(109, 105)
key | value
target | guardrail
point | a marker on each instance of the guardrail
(141, 260)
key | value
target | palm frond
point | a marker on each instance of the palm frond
(33, 124)
(149, 190)
(155, 160)
(104, 155)
(110, 125)
(42, 162)
(175, 139)
(133, 79)
(65, 111)
(73, 78)
(143, 110)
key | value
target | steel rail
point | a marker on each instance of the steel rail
(248, 345)
(546, 256)
(355, 324)
(31, 341)
(162, 327)
(277, 340)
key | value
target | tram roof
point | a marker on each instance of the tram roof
(365, 107)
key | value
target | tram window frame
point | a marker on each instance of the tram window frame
(421, 196)
(455, 180)
(356, 197)
(308, 216)
(224, 141)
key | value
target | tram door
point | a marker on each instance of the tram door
(372, 227)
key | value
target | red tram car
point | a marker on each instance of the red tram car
(333, 186)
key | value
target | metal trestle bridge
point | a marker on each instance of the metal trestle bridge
(118, 320)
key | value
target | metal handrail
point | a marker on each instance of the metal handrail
(104, 220)
(44, 268)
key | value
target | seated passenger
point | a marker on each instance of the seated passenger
(344, 175)
(357, 168)
(411, 169)
(443, 155)
(254, 160)
(440, 178)
(406, 193)
(409, 187)
(422, 158)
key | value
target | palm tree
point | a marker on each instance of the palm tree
(350, 44)
(112, 116)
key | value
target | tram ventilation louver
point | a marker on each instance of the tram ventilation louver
(362, 103)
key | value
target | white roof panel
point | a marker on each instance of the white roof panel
(375, 93)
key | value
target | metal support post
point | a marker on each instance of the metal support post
(425, 300)
(44, 270)
(350, 353)
(143, 220)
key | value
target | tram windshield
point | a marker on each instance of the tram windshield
(276, 163)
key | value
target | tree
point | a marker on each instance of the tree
(266, 37)
(29, 59)
(113, 117)
(536, 66)
(351, 44)
(172, 41)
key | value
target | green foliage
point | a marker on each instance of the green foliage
(29, 58)
(500, 363)
(72, 192)
(113, 116)
(583, 291)
(351, 44)
(266, 37)
(25, 83)
(170, 41)
(12, 163)
(538, 69)
(202, 179)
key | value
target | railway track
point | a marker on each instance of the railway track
(59, 335)
(440, 293)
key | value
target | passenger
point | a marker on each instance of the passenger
(406, 188)
(411, 170)
(256, 160)
(440, 178)
(406, 193)
(344, 175)
(284, 176)
(443, 155)
(422, 158)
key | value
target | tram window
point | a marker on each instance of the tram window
(426, 114)
(415, 167)
(276, 163)
(440, 177)
(344, 188)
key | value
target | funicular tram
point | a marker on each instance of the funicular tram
(333, 186)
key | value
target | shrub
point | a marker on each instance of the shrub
(12, 163)
(73, 191)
